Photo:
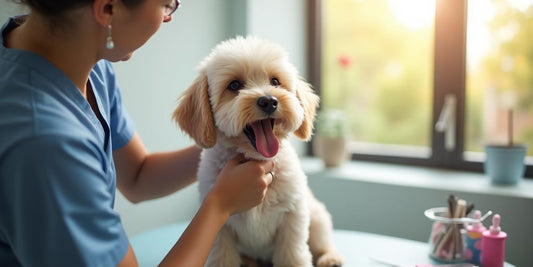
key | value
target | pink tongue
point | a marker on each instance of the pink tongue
(266, 142)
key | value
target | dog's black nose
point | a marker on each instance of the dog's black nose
(268, 104)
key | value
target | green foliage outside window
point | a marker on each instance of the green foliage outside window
(386, 92)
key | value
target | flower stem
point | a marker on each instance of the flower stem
(510, 126)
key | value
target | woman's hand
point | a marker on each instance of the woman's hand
(242, 184)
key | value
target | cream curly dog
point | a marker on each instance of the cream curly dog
(248, 99)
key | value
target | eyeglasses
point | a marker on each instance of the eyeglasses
(172, 7)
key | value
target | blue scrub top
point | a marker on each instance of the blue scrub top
(57, 177)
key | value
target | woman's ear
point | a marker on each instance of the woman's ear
(103, 11)
(309, 101)
(194, 114)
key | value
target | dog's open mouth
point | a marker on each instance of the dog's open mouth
(261, 135)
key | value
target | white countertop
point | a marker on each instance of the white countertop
(359, 249)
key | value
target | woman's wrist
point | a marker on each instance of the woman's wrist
(214, 205)
(195, 243)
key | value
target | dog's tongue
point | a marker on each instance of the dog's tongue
(265, 141)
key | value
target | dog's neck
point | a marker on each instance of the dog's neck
(226, 152)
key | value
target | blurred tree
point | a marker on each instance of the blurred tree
(390, 79)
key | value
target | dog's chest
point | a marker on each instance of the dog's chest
(255, 231)
(257, 228)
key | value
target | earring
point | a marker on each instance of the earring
(109, 40)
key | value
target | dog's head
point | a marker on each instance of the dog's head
(249, 96)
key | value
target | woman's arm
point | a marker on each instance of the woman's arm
(195, 243)
(143, 176)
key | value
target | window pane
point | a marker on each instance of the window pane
(377, 66)
(499, 73)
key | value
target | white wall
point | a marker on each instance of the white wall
(7, 9)
(284, 22)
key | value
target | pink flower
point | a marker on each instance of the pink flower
(345, 61)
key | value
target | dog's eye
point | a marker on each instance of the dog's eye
(235, 85)
(274, 82)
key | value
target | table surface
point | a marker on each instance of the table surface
(358, 248)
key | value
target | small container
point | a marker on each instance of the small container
(447, 240)
(493, 245)
(474, 234)
(504, 164)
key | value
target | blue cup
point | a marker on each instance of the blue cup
(505, 164)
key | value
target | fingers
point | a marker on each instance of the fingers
(266, 166)
(243, 183)
(268, 170)
(272, 165)
(239, 159)
(269, 177)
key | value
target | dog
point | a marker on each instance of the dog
(248, 98)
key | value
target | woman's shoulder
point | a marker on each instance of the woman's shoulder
(104, 71)
(36, 117)
(103, 79)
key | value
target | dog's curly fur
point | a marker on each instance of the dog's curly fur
(220, 110)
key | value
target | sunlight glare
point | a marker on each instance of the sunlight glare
(414, 14)
(521, 5)
(479, 40)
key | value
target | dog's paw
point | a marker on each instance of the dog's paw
(330, 259)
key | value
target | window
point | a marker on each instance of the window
(393, 66)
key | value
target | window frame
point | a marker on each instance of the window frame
(449, 78)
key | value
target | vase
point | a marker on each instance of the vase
(505, 164)
(332, 150)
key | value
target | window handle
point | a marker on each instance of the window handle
(446, 122)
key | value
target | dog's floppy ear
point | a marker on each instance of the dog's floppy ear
(309, 101)
(194, 115)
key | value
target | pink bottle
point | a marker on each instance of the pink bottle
(493, 245)
(474, 235)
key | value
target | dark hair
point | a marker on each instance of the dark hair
(58, 7)
(57, 10)
(52, 7)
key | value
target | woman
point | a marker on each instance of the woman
(64, 132)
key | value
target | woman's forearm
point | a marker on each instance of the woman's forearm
(166, 172)
(142, 176)
(192, 248)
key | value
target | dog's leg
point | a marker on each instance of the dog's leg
(224, 251)
(320, 240)
(291, 248)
